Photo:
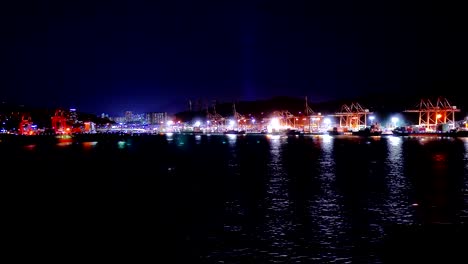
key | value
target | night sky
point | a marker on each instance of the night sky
(112, 56)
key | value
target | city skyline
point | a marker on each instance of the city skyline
(385, 104)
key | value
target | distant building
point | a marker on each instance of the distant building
(138, 118)
(119, 119)
(89, 127)
(73, 117)
(128, 116)
(156, 118)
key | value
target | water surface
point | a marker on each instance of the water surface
(233, 198)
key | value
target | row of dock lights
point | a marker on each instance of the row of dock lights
(326, 120)
(275, 123)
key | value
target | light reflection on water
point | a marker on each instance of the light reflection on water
(231, 139)
(198, 139)
(169, 137)
(121, 144)
(233, 163)
(333, 230)
(397, 209)
(277, 202)
(30, 147)
(288, 199)
(89, 145)
(465, 189)
(64, 144)
(326, 210)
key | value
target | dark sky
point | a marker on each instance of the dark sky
(112, 56)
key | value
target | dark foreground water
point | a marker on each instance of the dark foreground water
(237, 199)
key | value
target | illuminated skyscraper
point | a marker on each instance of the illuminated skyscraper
(73, 116)
(155, 118)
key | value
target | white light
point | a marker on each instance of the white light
(394, 119)
(197, 124)
(275, 123)
(253, 120)
(371, 117)
(232, 122)
(327, 121)
(170, 123)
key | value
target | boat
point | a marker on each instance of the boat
(234, 132)
(293, 132)
(368, 132)
(386, 132)
(422, 134)
(316, 133)
(335, 132)
(403, 131)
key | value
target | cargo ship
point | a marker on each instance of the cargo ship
(409, 131)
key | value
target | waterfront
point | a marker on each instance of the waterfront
(236, 198)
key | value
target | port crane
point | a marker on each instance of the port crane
(25, 125)
(313, 119)
(285, 118)
(431, 115)
(214, 119)
(60, 122)
(353, 117)
(238, 118)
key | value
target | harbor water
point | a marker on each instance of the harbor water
(236, 198)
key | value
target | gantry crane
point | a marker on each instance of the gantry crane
(239, 119)
(214, 119)
(60, 122)
(430, 115)
(313, 119)
(25, 125)
(285, 118)
(353, 117)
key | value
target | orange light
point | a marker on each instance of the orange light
(438, 115)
